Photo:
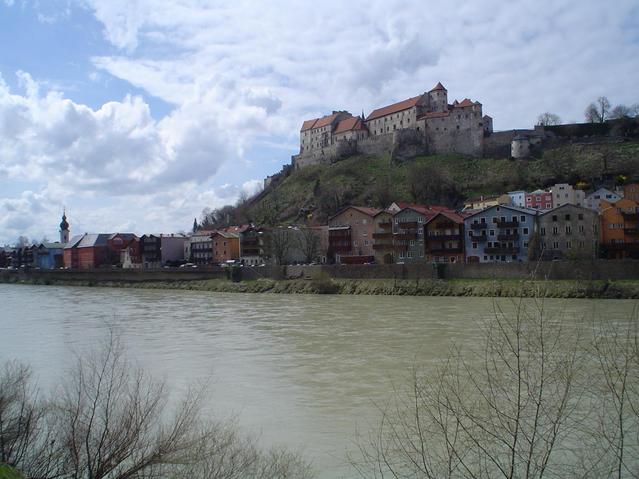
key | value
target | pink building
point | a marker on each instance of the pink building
(539, 200)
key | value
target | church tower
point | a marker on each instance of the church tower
(64, 229)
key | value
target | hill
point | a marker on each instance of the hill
(318, 191)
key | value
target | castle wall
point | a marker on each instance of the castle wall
(461, 131)
(376, 145)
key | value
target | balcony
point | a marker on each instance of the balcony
(386, 225)
(346, 234)
(631, 231)
(445, 238)
(445, 225)
(478, 238)
(445, 250)
(383, 246)
(479, 226)
(511, 237)
(406, 236)
(408, 225)
(382, 235)
(507, 224)
(630, 247)
(501, 250)
(630, 215)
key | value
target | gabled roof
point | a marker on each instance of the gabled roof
(372, 212)
(465, 102)
(55, 245)
(93, 240)
(439, 86)
(308, 124)
(123, 236)
(73, 242)
(394, 108)
(517, 209)
(350, 124)
(225, 234)
(325, 120)
(451, 215)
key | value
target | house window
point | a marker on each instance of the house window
(581, 216)
(555, 230)
(568, 244)
(491, 232)
(567, 217)
(522, 218)
(543, 231)
(474, 245)
(525, 231)
(568, 229)
(365, 242)
(554, 217)
(555, 245)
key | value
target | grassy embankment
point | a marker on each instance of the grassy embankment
(7, 472)
(422, 287)
(375, 181)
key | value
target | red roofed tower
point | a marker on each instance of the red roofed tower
(438, 98)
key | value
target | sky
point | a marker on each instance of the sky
(135, 115)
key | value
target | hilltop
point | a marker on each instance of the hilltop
(315, 192)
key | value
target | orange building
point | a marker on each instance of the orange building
(226, 246)
(619, 234)
(350, 234)
(631, 192)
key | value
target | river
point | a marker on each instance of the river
(303, 371)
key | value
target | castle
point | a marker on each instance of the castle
(424, 124)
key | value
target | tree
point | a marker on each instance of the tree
(431, 183)
(621, 111)
(195, 225)
(597, 112)
(548, 119)
(310, 243)
(502, 410)
(112, 420)
(22, 242)
(281, 241)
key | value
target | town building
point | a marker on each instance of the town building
(350, 235)
(408, 233)
(427, 120)
(130, 257)
(383, 243)
(565, 194)
(87, 251)
(499, 233)
(444, 238)
(594, 199)
(539, 200)
(619, 238)
(568, 232)
(483, 202)
(517, 198)
(631, 192)
(254, 248)
(48, 255)
(226, 247)
(150, 251)
(201, 247)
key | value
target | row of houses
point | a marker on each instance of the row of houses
(555, 196)
(559, 223)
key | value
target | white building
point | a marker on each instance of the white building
(593, 200)
(517, 198)
(565, 194)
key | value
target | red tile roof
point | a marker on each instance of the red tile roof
(394, 108)
(325, 120)
(465, 102)
(308, 124)
(439, 86)
(372, 212)
(350, 124)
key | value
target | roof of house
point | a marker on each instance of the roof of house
(518, 209)
(567, 205)
(91, 240)
(225, 234)
(394, 108)
(73, 242)
(372, 212)
(235, 229)
(54, 245)
(451, 215)
(439, 86)
(350, 124)
(124, 236)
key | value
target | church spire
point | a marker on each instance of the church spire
(64, 228)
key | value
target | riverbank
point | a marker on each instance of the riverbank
(620, 289)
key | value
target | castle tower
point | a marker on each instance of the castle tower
(438, 98)
(64, 229)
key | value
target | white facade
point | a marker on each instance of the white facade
(517, 198)
(593, 200)
(565, 194)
